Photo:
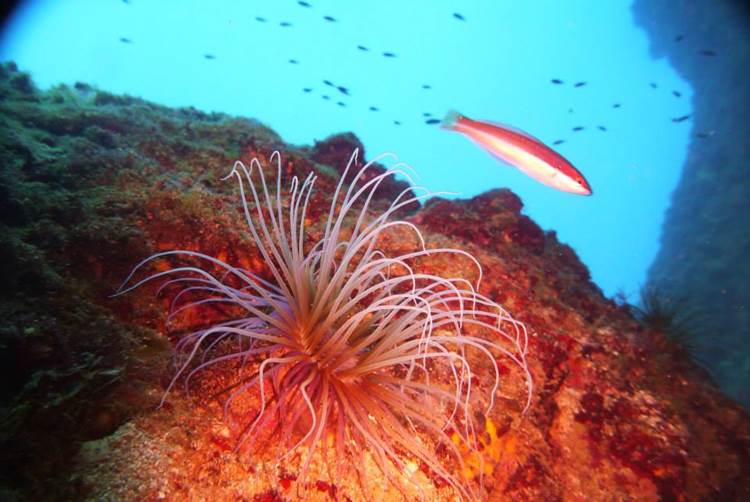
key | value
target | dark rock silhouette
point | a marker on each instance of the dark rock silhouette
(705, 244)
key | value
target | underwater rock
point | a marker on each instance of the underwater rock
(704, 257)
(335, 152)
(96, 187)
(490, 218)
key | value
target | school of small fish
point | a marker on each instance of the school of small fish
(514, 147)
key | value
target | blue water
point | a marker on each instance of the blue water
(496, 65)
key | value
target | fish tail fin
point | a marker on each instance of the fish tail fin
(450, 119)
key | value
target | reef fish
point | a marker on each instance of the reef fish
(523, 151)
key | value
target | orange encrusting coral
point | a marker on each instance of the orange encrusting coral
(491, 451)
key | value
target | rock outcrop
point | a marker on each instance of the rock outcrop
(91, 183)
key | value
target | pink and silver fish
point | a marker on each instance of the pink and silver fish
(523, 151)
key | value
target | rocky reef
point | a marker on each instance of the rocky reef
(704, 258)
(91, 183)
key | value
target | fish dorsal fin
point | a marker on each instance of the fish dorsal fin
(515, 130)
(453, 116)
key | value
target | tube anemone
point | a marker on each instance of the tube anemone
(346, 345)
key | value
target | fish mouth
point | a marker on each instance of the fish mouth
(585, 189)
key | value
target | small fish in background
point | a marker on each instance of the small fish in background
(616, 105)
(397, 122)
(653, 85)
(570, 110)
(579, 84)
(432, 121)
(557, 81)
(558, 142)
(260, 19)
(343, 90)
(704, 135)
(426, 114)
(602, 128)
(285, 24)
(389, 55)
(426, 86)
(363, 48)
(324, 96)
(374, 109)
(293, 61)
(341, 104)
(678, 38)
(126, 2)
(578, 128)
(125, 40)
(682, 118)
(523, 151)
(328, 83)
(677, 94)
(304, 4)
(307, 89)
(708, 52)
(459, 16)
(209, 56)
(330, 19)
